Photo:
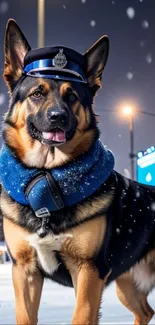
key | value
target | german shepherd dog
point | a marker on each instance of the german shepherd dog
(107, 236)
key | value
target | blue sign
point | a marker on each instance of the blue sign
(146, 166)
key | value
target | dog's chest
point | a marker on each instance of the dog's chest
(83, 241)
(46, 250)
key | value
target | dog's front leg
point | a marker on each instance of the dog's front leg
(89, 289)
(27, 289)
(27, 280)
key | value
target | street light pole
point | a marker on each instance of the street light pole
(132, 155)
(41, 22)
(128, 110)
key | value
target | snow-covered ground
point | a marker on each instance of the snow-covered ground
(57, 303)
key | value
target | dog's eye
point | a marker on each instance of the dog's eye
(72, 97)
(37, 94)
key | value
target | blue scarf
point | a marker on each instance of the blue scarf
(77, 179)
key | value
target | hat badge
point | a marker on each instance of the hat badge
(60, 60)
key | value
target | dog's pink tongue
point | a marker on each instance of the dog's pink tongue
(57, 135)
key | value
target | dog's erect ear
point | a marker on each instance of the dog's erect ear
(96, 58)
(15, 49)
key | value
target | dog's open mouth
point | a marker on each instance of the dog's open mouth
(55, 136)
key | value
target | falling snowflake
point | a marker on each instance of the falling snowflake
(92, 23)
(127, 174)
(120, 135)
(137, 194)
(130, 12)
(4, 7)
(149, 58)
(129, 75)
(64, 6)
(113, 2)
(140, 0)
(145, 24)
(130, 231)
(83, 1)
(142, 43)
(117, 230)
(2, 99)
(153, 206)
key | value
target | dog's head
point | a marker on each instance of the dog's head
(49, 121)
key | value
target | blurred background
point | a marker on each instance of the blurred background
(129, 77)
(126, 105)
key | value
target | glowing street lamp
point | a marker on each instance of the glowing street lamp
(128, 110)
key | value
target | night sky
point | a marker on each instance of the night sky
(129, 76)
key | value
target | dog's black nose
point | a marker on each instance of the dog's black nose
(57, 115)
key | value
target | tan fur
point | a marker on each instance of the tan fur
(86, 239)
(28, 290)
(133, 299)
(88, 295)
(143, 273)
(8, 73)
(83, 211)
(65, 87)
(19, 247)
(77, 252)
(9, 208)
(27, 280)
(18, 115)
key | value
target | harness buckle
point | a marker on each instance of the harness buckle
(42, 213)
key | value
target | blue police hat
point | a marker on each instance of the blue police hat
(57, 62)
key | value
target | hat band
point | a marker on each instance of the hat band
(45, 69)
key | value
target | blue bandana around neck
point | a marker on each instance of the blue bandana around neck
(77, 179)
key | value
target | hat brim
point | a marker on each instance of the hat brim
(57, 73)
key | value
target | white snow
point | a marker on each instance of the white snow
(129, 75)
(57, 303)
(64, 6)
(4, 6)
(127, 174)
(83, 1)
(145, 24)
(153, 206)
(2, 99)
(137, 194)
(130, 12)
(92, 23)
(149, 58)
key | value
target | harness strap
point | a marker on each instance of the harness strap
(44, 195)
